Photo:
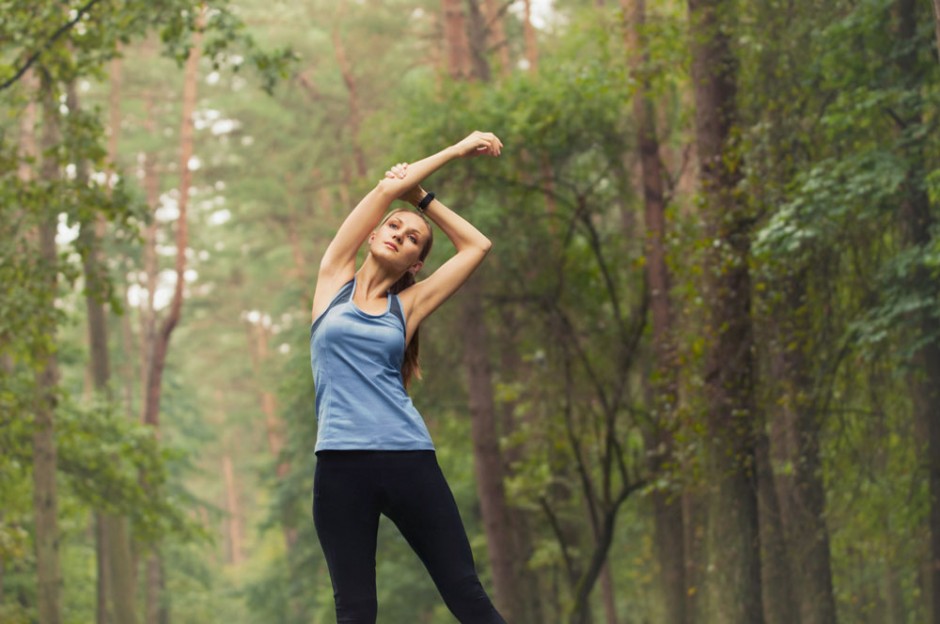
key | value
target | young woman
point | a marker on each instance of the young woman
(374, 453)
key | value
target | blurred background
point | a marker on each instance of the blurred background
(697, 380)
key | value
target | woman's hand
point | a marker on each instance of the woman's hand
(398, 171)
(479, 143)
(413, 194)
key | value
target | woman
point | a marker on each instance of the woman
(374, 453)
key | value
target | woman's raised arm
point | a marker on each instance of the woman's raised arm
(338, 263)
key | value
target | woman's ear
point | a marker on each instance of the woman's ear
(415, 268)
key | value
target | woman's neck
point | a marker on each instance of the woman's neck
(372, 281)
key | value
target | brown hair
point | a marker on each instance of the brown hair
(411, 367)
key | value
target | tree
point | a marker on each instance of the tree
(45, 501)
(734, 545)
(669, 525)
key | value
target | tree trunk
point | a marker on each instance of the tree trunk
(155, 609)
(148, 314)
(157, 606)
(102, 575)
(795, 431)
(496, 35)
(528, 34)
(115, 585)
(477, 38)
(734, 542)
(580, 612)
(233, 521)
(780, 601)
(258, 347)
(162, 339)
(355, 115)
(512, 370)
(45, 500)
(936, 23)
(470, 64)
(668, 526)
(45, 497)
(917, 223)
(607, 593)
(487, 460)
(456, 45)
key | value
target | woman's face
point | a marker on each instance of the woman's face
(401, 241)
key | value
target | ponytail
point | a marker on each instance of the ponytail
(410, 366)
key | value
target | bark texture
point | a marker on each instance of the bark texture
(354, 120)
(916, 224)
(734, 542)
(465, 40)
(780, 603)
(45, 496)
(115, 582)
(456, 43)
(494, 12)
(487, 460)
(157, 608)
(667, 509)
(795, 432)
(528, 34)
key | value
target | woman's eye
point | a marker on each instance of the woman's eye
(413, 239)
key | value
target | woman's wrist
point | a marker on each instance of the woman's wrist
(425, 201)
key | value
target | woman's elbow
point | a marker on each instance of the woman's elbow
(485, 245)
(387, 187)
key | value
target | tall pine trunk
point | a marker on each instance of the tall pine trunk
(466, 61)
(115, 580)
(916, 223)
(734, 542)
(157, 606)
(795, 432)
(496, 34)
(530, 44)
(667, 508)
(354, 120)
(936, 23)
(233, 518)
(45, 498)
(780, 604)
(487, 459)
(258, 347)
(456, 44)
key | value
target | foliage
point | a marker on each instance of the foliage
(837, 133)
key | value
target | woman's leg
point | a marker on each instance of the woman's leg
(346, 515)
(422, 506)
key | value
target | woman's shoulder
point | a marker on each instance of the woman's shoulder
(342, 294)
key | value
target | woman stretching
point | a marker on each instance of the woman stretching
(374, 453)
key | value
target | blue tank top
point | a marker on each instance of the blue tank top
(356, 358)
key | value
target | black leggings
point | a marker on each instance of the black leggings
(351, 489)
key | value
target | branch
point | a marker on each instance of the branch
(573, 439)
(61, 31)
(893, 115)
(559, 535)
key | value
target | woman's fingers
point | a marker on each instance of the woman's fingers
(479, 143)
(398, 171)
